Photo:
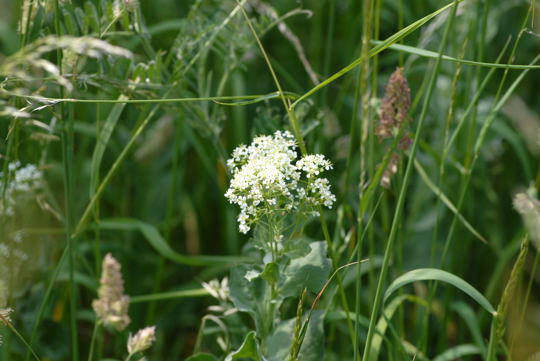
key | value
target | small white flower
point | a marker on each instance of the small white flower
(319, 193)
(218, 290)
(25, 180)
(313, 164)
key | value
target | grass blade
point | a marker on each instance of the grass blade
(433, 55)
(447, 202)
(425, 274)
(156, 240)
(376, 50)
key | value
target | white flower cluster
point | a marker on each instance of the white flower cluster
(217, 289)
(266, 177)
(25, 179)
(313, 164)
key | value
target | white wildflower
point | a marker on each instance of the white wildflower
(267, 178)
(21, 181)
(313, 164)
(319, 193)
(218, 290)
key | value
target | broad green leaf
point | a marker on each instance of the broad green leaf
(249, 296)
(296, 248)
(312, 347)
(458, 352)
(425, 274)
(248, 350)
(310, 271)
(270, 273)
(202, 357)
(154, 238)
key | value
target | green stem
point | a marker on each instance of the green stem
(19, 336)
(401, 199)
(375, 50)
(218, 99)
(93, 341)
(199, 292)
(67, 152)
(286, 103)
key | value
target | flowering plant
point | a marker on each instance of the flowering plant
(267, 180)
(277, 191)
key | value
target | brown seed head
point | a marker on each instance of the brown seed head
(395, 105)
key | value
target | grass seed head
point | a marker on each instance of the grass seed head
(395, 105)
(112, 305)
(142, 341)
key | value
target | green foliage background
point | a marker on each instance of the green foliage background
(163, 208)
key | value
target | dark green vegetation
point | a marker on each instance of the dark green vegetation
(131, 135)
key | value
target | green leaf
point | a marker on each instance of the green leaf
(202, 357)
(296, 248)
(382, 325)
(199, 292)
(270, 273)
(369, 265)
(249, 349)
(434, 55)
(313, 346)
(102, 141)
(469, 317)
(394, 38)
(424, 274)
(92, 17)
(457, 352)
(154, 238)
(447, 202)
(517, 142)
(310, 271)
(249, 296)
(341, 315)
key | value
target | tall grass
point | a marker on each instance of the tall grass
(130, 109)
